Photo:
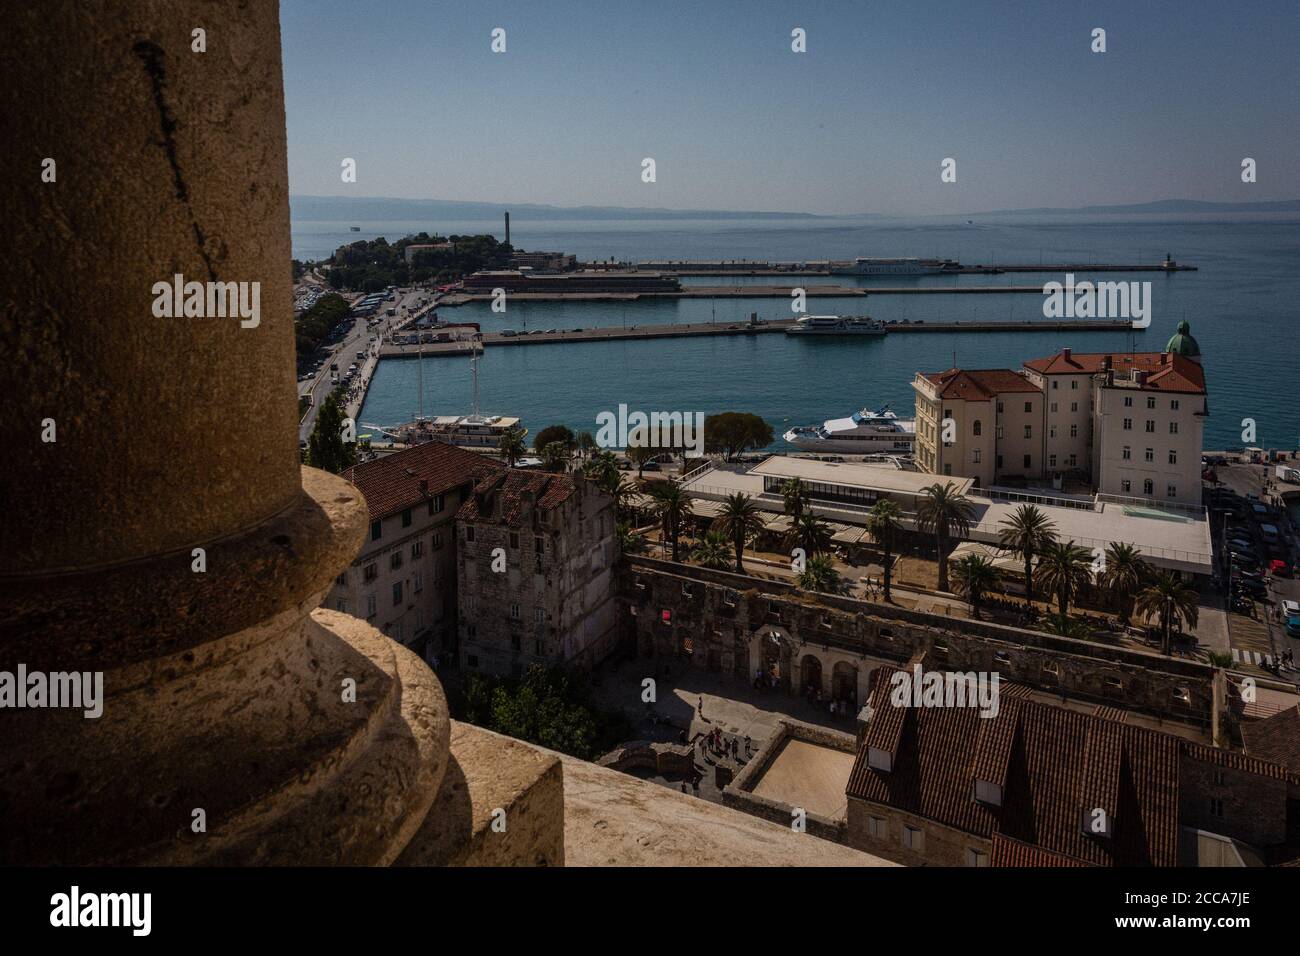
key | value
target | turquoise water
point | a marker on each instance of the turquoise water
(1242, 306)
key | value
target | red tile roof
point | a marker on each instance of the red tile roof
(1166, 371)
(392, 483)
(980, 384)
(1054, 764)
(1009, 852)
(548, 491)
(1276, 739)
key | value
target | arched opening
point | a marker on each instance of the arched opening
(844, 688)
(770, 660)
(810, 677)
(979, 429)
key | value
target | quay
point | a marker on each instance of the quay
(740, 292)
(615, 333)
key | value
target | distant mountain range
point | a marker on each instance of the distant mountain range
(309, 208)
(1160, 206)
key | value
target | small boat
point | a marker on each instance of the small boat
(863, 433)
(837, 325)
(355, 228)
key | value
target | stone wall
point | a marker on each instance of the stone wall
(940, 846)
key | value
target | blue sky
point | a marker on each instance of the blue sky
(735, 120)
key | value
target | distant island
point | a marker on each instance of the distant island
(1159, 206)
(338, 208)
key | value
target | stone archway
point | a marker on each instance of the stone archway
(770, 659)
(810, 676)
(844, 683)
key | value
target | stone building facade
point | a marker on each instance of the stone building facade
(404, 580)
(535, 563)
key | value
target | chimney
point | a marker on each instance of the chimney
(1166, 358)
(507, 229)
(1105, 363)
(1065, 353)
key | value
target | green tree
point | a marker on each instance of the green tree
(639, 455)
(942, 512)
(512, 445)
(739, 519)
(731, 433)
(1065, 626)
(555, 456)
(1026, 532)
(976, 577)
(629, 542)
(819, 574)
(544, 709)
(602, 468)
(586, 443)
(555, 433)
(673, 509)
(326, 448)
(1125, 571)
(1064, 569)
(810, 532)
(712, 550)
(1171, 603)
(883, 523)
(794, 495)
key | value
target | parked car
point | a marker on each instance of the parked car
(1290, 608)
(1293, 626)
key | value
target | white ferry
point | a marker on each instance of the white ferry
(481, 432)
(862, 433)
(836, 325)
(871, 266)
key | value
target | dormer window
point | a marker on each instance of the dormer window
(988, 793)
(881, 760)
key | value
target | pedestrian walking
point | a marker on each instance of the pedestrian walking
(700, 707)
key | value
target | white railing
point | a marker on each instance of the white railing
(1154, 504)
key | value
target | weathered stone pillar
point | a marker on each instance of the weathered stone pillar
(134, 438)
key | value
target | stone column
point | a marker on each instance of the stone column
(134, 438)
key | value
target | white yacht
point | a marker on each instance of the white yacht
(862, 433)
(874, 266)
(836, 325)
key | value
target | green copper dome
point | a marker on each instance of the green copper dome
(1182, 342)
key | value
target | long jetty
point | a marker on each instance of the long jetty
(616, 333)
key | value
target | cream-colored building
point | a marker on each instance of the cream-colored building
(984, 424)
(1129, 424)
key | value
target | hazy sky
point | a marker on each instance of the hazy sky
(735, 120)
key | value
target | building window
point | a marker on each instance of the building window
(1074, 431)
(406, 518)
(1171, 490)
(370, 605)
(1074, 460)
(437, 540)
(376, 530)
(1029, 407)
(514, 612)
(397, 593)
(1150, 454)
(1029, 431)
(395, 560)
(514, 540)
(539, 615)
(1127, 454)
(1173, 404)
(1148, 487)
(537, 563)
(1074, 384)
(976, 459)
(913, 838)
(1173, 428)
(369, 573)
(947, 469)
(1216, 807)
(417, 550)
(1053, 408)
(877, 828)
(1128, 424)
(1074, 406)
(1173, 457)
(1051, 461)
(1128, 401)
(999, 462)
(342, 580)
(976, 857)
(998, 431)
(1126, 486)
(1151, 401)
(1051, 431)
(977, 428)
(469, 532)
(1055, 384)
(1027, 464)
(538, 648)
(999, 408)
(1219, 778)
(1151, 426)
(417, 583)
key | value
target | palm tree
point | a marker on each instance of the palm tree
(555, 456)
(1170, 602)
(1065, 627)
(795, 493)
(976, 577)
(586, 444)
(713, 550)
(1064, 569)
(1027, 531)
(943, 511)
(819, 574)
(1124, 574)
(673, 508)
(883, 522)
(810, 532)
(628, 541)
(512, 445)
(602, 468)
(739, 519)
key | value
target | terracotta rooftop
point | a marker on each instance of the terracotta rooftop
(980, 385)
(1009, 852)
(1276, 739)
(392, 483)
(1052, 764)
(1166, 371)
(548, 491)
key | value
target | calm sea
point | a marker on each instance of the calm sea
(1243, 306)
